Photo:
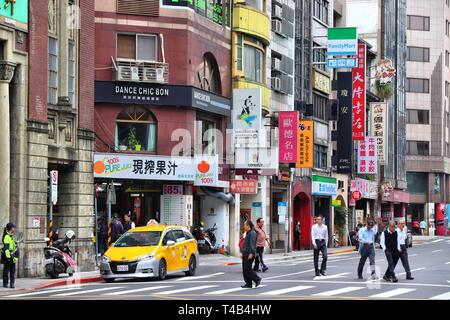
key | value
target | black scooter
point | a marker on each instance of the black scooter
(206, 239)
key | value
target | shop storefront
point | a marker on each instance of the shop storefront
(393, 205)
(322, 190)
(364, 208)
(301, 195)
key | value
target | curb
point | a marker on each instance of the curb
(67, 281)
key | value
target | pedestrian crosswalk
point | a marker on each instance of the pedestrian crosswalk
(233, 289)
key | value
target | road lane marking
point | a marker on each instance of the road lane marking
(185, 290)
(286, 290)
(118, 293)
(225, 291)
(439, 240)
(418, 269)
(444, 296)
(41, 292)
(447, 262)
(85, 291)
(338, 291)
(201, 277)
(392, 293)
(334, 276)
(289, 274)
(437, 250)
(413, 255)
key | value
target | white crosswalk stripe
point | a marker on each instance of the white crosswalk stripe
(444, 296)
(201, 277)
(185, 290)
(438, 240)
(392, 293)
(434, 251)
(41, 292)
(418, 269)
(286, 290)
(225, 291)
(119, 293)
(338, 291)
(85, 291)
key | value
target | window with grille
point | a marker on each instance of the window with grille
(71, 74)
(52, 70)
(419, 23)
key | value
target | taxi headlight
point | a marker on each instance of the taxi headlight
(146, 257)
(106, 259)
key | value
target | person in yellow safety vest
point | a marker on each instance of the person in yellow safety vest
(9, 255)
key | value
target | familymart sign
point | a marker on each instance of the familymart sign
(342, 41)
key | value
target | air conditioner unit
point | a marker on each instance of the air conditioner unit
(276, 84)
(277, 12)
(276, 64)
(154, 75)
(128, 73)
(277, 26)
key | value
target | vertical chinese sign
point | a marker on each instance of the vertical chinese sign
(378, 119)
(359, 95)
(288, 126)
(367, 156)
(305, 144)
(344, 125)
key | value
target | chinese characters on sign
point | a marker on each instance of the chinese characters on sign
(321, 82)
(344, 125)
(379, 114)
(243, 186)
(288, 124)
(367, 156)
(359, 95)
(305, 144)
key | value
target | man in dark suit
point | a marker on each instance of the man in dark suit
(248, 255)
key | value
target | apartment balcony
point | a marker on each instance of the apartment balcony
(241, 83)
(251, 21)
(141, 71)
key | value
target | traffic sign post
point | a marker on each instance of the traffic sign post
(53, 199)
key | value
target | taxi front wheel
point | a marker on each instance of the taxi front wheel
(192, 266)
(162, 269)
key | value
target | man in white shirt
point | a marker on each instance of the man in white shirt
(403, 235)
(319, 238)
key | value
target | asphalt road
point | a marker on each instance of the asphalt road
(429, 260)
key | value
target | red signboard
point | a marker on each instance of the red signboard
(288, 126)
(359, 95)
(356, 195)
(244, 186)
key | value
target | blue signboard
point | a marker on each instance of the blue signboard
(282, 212)
(335, 63)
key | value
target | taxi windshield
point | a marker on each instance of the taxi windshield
(139, 239)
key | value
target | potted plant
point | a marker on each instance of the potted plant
(132, 141)
(340, 220)
(383, 90)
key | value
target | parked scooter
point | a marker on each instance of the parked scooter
(206, 239)
(59, 257)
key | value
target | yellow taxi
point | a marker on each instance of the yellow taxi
(152, 251)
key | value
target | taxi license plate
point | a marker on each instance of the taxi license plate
(122, 268)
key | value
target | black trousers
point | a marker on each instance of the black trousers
(9, 271)
(248, 272)
(391, 257)
(259, 258)
(296, 240)
(367, 251)
(321, 247)
(403, 256)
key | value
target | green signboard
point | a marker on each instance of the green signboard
(15, 10)
(212, 9)
(342, 41)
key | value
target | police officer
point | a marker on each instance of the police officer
(367, 249)
(9, 255)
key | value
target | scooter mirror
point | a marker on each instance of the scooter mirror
(47, 239)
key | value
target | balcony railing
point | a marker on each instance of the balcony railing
(141, 71)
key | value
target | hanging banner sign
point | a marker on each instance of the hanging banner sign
(288, 127)
(244, 186)
(344, 125)
(305, 144)
(367, 156)
(359, 95)
(342, 41)
(246, 116)
(378, 130)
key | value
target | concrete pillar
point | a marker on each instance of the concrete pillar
(6, 75)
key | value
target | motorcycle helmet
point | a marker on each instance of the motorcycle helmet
(70, 235)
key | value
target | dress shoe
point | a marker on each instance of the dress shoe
(386, 278)
(257, 270)
(322, 273)
(246, 286)
(318, 274)
(257, 283)
(5, 286)
(265, 269)
(409, 278)
(360, 278)
(393, 279)
(12, 287)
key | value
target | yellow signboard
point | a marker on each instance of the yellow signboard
(321, 82)
(305, 144)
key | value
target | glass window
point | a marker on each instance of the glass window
(170, 236)
(320, 10)
(71, 73)
(136, 130)
(52, 70)
(320, 156)
(417, 85)
(139, 239)
(417, 182)
(179, 235)
(257, 4)
(239, 52)
(419, 23)
(207, 139)
(418, 116)
(418, 54)
(320, 104)
(137, 47)
(253, 63)
(420, 148)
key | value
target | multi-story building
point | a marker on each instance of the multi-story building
(47, 124)
(428, 116)
(162, 95)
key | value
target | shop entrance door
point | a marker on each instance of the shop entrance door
(302, 213)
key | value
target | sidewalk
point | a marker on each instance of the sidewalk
(219, 259)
